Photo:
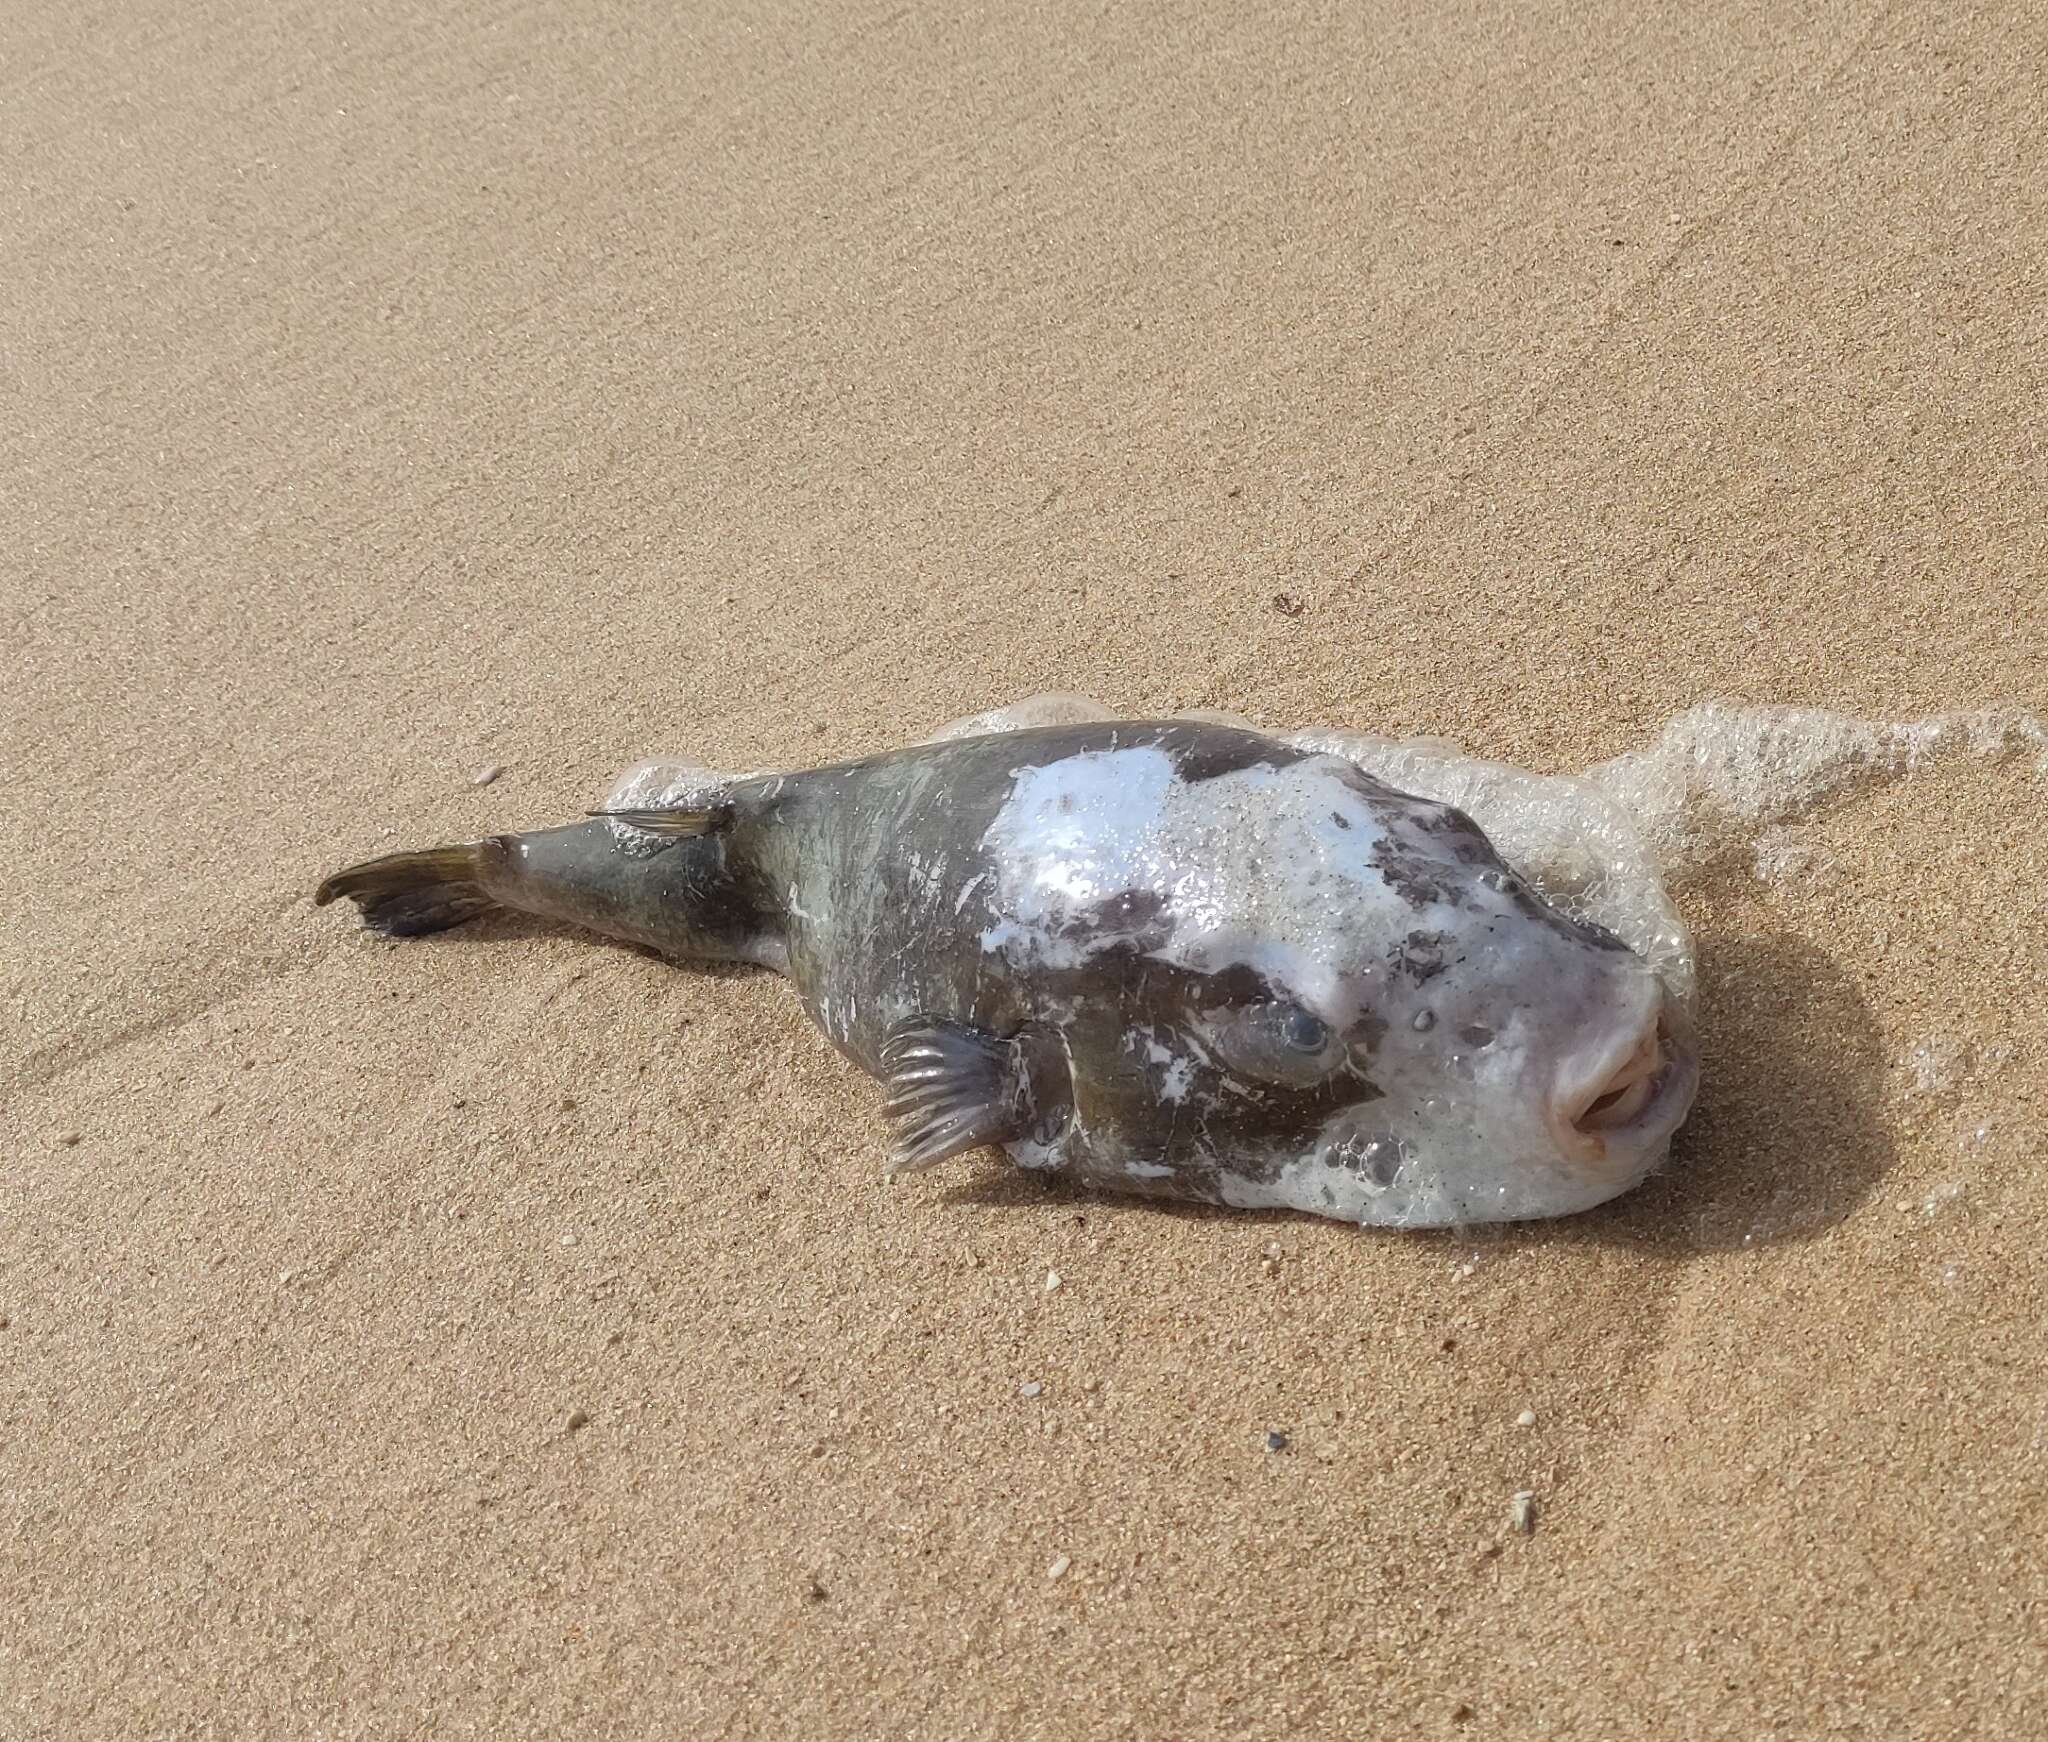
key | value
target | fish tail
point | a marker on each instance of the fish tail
(406, 895)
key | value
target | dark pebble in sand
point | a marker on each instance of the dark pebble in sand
(1275, 1441)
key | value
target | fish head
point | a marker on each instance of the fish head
(1292, 986)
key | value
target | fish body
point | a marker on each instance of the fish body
(1175, 957)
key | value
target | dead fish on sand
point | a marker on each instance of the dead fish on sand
(1175, 957)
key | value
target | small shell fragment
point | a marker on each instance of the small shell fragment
(1522, 1513)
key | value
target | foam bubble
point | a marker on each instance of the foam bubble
(1719, 774)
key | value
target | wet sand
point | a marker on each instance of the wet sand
(510, 1335)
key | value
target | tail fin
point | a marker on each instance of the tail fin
(406, 895)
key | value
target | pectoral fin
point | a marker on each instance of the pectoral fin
(952, 1088)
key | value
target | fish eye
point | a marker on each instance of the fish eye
(1302, 1030)
(1276, 1041)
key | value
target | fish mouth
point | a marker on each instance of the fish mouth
(1625, 1094)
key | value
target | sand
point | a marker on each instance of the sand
(508, 1335)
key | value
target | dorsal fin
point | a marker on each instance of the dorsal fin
(673, 824)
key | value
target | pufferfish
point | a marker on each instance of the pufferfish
(1173, 957)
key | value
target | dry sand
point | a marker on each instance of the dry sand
(507, 1335)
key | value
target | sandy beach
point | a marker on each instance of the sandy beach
(508, 1334)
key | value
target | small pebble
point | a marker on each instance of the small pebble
(1275, 1440)
(1526, 1419)
(578, 1420)
(568, 1239)
(70, 1139)
(1052, 1280)
(1058, 1569)
(1275, 1253)
(484, 776)
(1522, 1513)
(1030, 1388)
(284, 1277)
(5, 1321)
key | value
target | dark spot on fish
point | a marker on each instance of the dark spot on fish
(1416, 878)
(1532, 906)
(1220, 1126)
(1367, 1032)
(1340, 819)
(1127, 909)
(1466, 840)
(1202, 752)
(1420, 955)
(1132, 920)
